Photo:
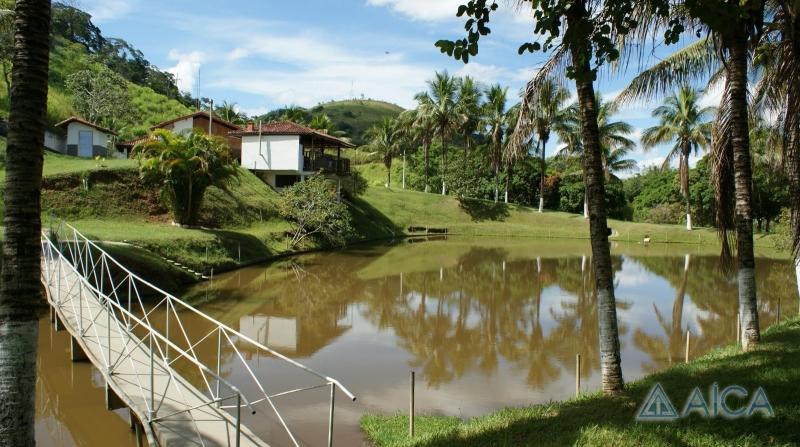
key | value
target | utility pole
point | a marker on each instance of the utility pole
(210, 116)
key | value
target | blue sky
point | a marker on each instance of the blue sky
(268, 54)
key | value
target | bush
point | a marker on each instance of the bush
(666, 213)
(314, 211)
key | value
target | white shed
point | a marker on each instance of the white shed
(85, 139)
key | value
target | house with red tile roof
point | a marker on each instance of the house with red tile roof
(282, 152)
(211, 124)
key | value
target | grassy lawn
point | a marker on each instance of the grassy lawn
(598, 420)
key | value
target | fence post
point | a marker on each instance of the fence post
(238, 418)
(411, 407)
(688, 337)
(152, 381)
(330, 415)
(577, 375)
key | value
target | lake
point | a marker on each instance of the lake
(484, 323)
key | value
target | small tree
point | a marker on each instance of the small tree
(313, 210)
(185, 166)
(100, 96)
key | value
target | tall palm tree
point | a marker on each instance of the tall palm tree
(228, 112)
(731, 38)
(20, 291)
(423, 130)
(469, 112)
(682, 121)
(549, 113)
(614, 142)
(439, 104)
(385, 139)
(495, 121)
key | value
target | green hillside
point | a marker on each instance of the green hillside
(355, 116)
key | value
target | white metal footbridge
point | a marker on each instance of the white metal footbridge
(172, 381)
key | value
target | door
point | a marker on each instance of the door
(85, 138)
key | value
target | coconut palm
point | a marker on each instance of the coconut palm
(469, 112)
(385, 139)
(495, 121)
(184, 166)
(682, 121)
(614, 142)
(439, 104)
(228, 112)
(20, 291)
(548, 114)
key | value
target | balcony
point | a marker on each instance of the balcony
(326, 163)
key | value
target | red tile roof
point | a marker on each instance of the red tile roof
(202, 113)
(131, 143)
(75, 119)
(290, 128)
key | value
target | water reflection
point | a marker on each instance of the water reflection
(485, 323)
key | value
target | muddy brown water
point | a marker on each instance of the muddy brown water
(484, 323)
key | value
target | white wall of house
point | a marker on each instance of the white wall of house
(277, 153)
(99, 138)
(184, 125)
(55, 141)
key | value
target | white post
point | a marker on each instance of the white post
(259, 137)
(330, 416)
(404, 169)
(577, 375)
(541, 204)
(585, 208)
(688, 222)
(210, 116)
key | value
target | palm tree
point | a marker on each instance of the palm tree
(469, 112)
(423, 129)
(227, 111)
(549, 114)
(439, 104)
(20, 291)
(184, 166)
(731, 37)
(614, 142)
(495, 121)
(385, 139)
(681, 120)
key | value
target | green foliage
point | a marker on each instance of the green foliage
(100, 96)
(184, 166)
(650, 189)
(314, 211)
(149, 108)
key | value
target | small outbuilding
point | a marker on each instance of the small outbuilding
(85, 139)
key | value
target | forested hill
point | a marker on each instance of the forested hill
(129, 94)
(145, 95)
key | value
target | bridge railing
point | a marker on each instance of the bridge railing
(139, 313)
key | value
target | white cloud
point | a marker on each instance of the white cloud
(238, 53)
(426, 10)
(712, 97)
(186, 68)
(104, 10)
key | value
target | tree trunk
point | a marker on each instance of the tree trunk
(20, 292)
(610, 359)
(791, 126)
(543, 140)
(426, 147)
(444, 165)
(684, 173)
(509, 171)
(743, 179)
(496, 182)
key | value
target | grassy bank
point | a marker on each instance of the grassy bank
(107, 201)
(598, 420)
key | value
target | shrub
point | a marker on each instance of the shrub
(666, 213)
(184, 166)
(314, 211)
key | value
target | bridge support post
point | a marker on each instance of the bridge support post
(113, 401)
(76, 353)
(136, 426)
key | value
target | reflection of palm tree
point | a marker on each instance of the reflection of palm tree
(674, 330)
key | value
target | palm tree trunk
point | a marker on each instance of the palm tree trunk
(743, 179)
(426, 147)
(543, 142)
(610, 358)
(20, 292)
(496, 182)
(509, 171)
(444, 165)
(684, 172)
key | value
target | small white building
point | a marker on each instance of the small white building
(83, 139)
(282, 152)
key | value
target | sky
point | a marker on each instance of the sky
(268, 54)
